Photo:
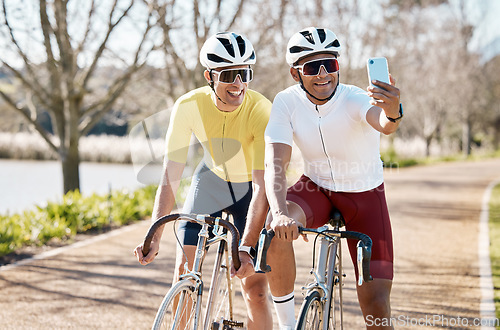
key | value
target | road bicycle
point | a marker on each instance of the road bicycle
(322, 307)
(181, 307)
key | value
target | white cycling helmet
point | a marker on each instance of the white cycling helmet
(226, 49)
(311, 41)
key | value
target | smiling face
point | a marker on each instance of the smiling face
(231, 94)
(321, 85)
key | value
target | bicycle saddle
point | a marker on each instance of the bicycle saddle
(336, 218)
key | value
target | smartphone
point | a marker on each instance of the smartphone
(378, 69)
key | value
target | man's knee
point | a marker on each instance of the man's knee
(278, 248)
(380, 304)
(374, 297)
(256, 293)
(256, 296)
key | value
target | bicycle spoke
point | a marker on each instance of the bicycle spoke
(178, 308)
(311, 312)
(184, 313)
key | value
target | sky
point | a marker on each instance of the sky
(483, 14)
(487, 31)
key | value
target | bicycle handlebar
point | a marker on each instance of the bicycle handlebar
(265, 238)
(235, 235)
(364, 247)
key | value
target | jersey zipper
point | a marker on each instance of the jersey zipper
(226, 172)
(324, 147)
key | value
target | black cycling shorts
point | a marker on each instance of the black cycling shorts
(212, 195)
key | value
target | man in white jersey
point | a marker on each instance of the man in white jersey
(337, 129)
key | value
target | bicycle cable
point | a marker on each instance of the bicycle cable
(314, 249)
(324, 233)
(178, 241)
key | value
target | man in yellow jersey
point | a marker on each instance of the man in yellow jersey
(229, 121)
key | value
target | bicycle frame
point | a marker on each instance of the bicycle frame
(220, 238)
(327, 274)
(194, 275)
(329, 248)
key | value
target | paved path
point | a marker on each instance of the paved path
(435, 213)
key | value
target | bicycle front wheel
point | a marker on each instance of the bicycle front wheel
(311, 312)
(178, 308)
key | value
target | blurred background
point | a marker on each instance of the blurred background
(85, 82)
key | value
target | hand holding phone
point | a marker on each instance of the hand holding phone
(378, 70)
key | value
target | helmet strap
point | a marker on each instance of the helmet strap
(211, 84)
(314, 97)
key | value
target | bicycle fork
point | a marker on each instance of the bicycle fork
(221, 260)
(198, 260)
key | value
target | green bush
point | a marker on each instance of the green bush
(391, 159)
(75, 214)
(13, 233)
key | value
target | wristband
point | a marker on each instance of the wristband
(400, 114)
(248, 249)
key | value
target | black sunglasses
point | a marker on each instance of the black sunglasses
(312, 68)
(229, 76)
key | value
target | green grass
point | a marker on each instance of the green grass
(75, 214)
(494, 208)
(392, 159)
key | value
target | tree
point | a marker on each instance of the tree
(490, 94)
(428, 73)
(186, 25)
(55, 49)
(440, 76)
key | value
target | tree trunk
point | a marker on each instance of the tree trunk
(496, 134)
(466, 137)
(71, 168)
(428, 141)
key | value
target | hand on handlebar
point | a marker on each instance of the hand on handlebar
(146, 259)
(285, 228)
(246, 269)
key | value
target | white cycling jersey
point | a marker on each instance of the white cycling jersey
(341, 150)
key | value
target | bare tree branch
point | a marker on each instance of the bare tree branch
(118, 86)
(235, 16)
(115, 91)
(102, 47)
(61, 88)
(36, 86)
(47, 31)
(178, 69)
(26, 114)
(85, 37)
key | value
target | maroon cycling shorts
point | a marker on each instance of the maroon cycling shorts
(365, 212)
